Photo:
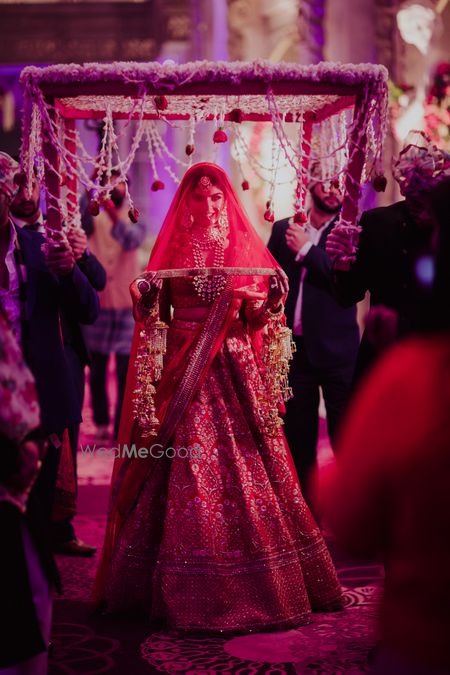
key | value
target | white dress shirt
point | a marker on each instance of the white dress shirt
(38, 225)
(314, 238)
(9, 297)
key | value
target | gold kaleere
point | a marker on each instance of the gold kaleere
(278, 351)
(149, 365)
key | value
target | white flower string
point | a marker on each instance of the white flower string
(162, 148)
(163, 151)
(300, 189)
(276, 151)
(151, 153)
(190, 147)
(258, 168)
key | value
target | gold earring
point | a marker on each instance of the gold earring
(187, 219)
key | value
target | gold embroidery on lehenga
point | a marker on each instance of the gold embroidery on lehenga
(187, 386)
(235, 524)
(222, 540)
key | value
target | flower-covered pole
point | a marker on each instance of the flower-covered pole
(71, 178)
(306, 151)
(52, 181)
(352, 187)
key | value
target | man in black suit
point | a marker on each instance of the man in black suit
(25, 213)
(326, 335)
(390, 244)
(393, 253)
(35, 289)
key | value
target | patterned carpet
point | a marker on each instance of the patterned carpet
(89, 643)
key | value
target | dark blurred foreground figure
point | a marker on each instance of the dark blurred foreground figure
(26, 566)
(390, 492)
(393, 241)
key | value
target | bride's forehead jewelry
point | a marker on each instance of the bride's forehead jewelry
(205, 183)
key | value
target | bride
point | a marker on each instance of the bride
(211, 532)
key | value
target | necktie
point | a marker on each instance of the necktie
(33, 227)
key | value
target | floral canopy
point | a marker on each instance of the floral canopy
(339, 113)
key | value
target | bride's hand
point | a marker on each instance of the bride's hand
(278, 289)
(144, 293)
(249, 292)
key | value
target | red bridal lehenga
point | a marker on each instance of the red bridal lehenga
(222, 541)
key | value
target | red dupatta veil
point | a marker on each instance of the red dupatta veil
(252, 263)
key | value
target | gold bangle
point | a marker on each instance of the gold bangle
(266, 314)
(277, 310)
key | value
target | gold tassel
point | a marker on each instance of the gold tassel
(279, 348)
(150, 361)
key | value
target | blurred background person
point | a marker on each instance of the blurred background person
(114, 239)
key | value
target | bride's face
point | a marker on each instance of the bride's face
(206, 204)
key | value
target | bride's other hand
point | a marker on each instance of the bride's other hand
(278, 289)
(249, 292)
(144, 293)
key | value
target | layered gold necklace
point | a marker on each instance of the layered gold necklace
(210, 239)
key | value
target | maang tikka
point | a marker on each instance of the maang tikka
(205, 182)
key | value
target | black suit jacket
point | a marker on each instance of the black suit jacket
(47, 296)
(330, 331)
(389, 244)
(73, 337)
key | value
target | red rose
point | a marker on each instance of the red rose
(133, 215)
(300, 217)
(189, 150)
(161, 102)
(245, 185)
(94, 207)
(157, 185)
(220, 136)
(236, 115)
(443, 69)
(269, 216)
(379, 183)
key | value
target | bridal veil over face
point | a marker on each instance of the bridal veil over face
(244, 249)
